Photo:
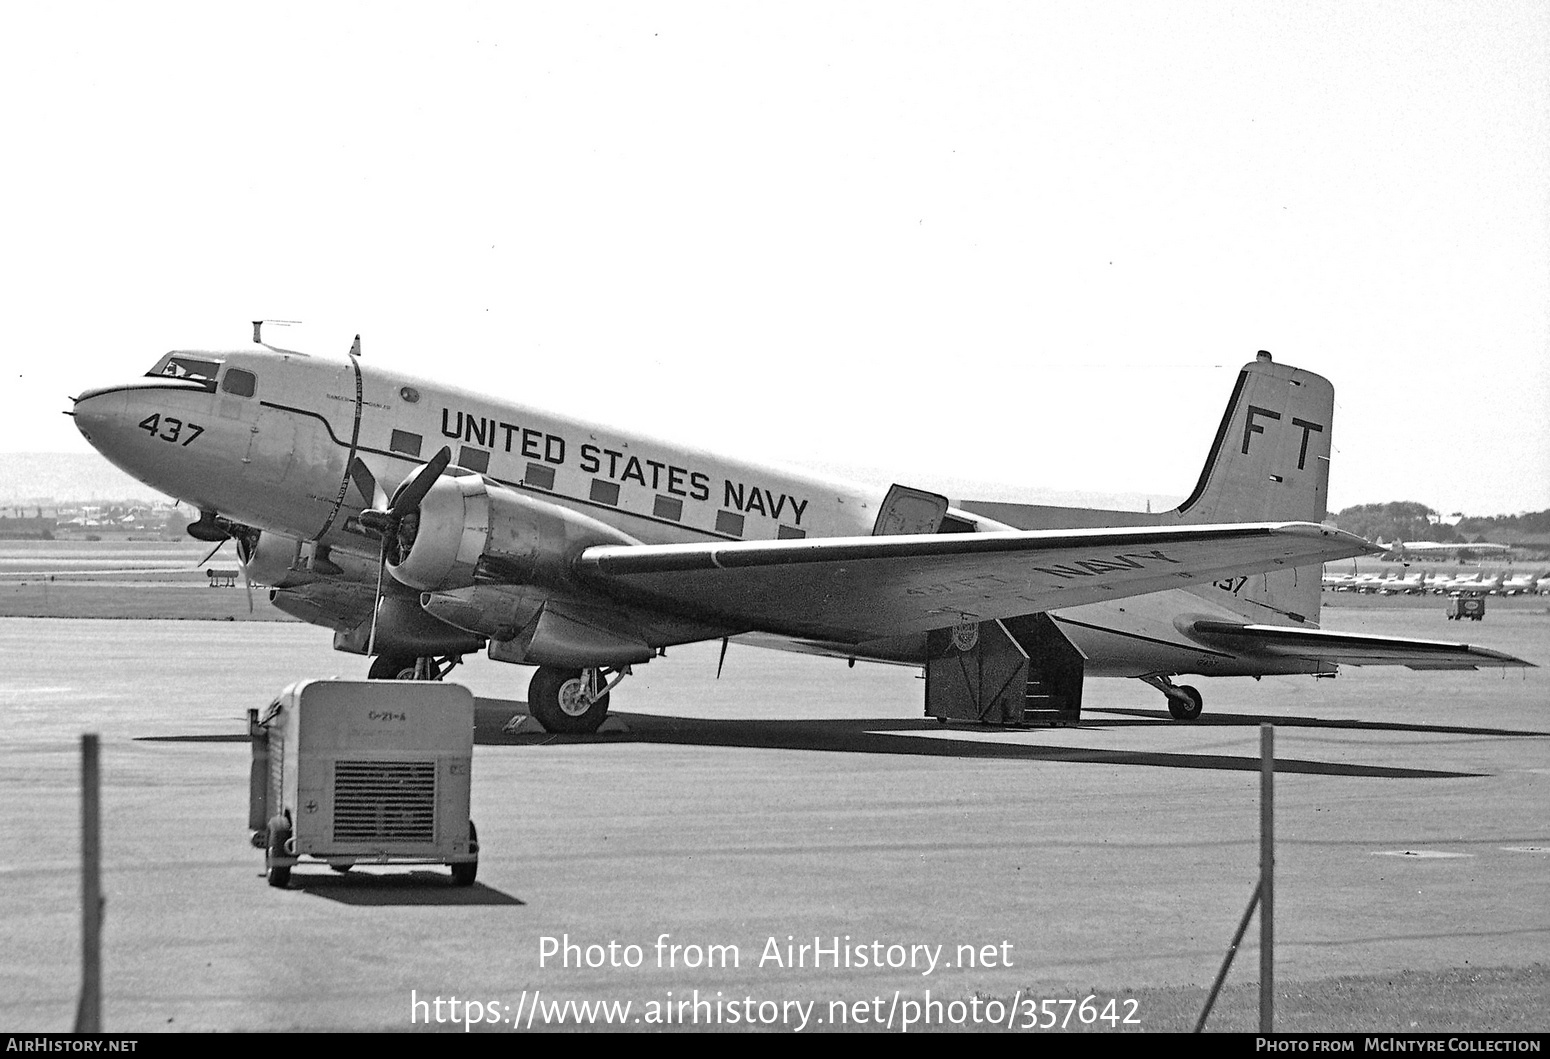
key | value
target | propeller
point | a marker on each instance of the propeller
(244, 553)
(388, 522)
(218, 546)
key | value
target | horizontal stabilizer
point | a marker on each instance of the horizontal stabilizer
(851, 589)
(1352, 649)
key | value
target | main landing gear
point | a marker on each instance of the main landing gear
(1184, 702)
(572, 701)
(408, 667)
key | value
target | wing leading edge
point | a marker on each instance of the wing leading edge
(1352, 649)
(852, 589)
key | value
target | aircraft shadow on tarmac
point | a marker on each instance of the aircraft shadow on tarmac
(910, 737)
(1233, 719)
(926, 738)
(397, 889)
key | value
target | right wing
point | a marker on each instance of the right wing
(852, 589)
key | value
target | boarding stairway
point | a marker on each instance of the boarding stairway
(1020, 671)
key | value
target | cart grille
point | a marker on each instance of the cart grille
(393, 800)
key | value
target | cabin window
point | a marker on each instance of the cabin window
(790, 533)
(406, 442)
(239, 383)
(668, 507)
(476, 460)
(539, 476)
(729, 522)
(605, 492)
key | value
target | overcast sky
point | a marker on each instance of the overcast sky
(1023, 243)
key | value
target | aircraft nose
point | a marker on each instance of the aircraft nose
(97, 411)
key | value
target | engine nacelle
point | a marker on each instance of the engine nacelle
(273, 559)
(279, 561)
(465, 526)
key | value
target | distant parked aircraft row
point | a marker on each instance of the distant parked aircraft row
(1416, 584)
(1402, 550)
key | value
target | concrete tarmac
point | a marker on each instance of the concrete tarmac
(791, 800)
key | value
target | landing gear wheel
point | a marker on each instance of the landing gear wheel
(1183, 710)
(558, 699)
(464, 874)
(391, 667)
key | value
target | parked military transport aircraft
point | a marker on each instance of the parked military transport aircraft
(422, 522)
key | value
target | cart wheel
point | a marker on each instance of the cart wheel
(464, 874)
(279, 832)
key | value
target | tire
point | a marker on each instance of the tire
(391, 667)
(551, 699)
(341, 868)
(1186, 711)
(464, 874)
(279, 832)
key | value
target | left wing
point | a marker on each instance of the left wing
(1345, 648)
(851, 589)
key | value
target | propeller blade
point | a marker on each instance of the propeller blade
(376, 604)
(419, 483)
(218, 546)
(370, 489)
(247, 586)
(722, 660)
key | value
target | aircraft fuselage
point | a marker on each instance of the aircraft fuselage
(267, 439)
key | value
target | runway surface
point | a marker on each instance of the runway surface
(793, 798)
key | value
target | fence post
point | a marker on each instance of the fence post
(88, 1013)
(1267, 862)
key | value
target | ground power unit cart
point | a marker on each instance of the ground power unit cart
(353, 772)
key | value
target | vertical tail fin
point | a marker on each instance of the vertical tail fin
(1270, 459)
(1270, 463)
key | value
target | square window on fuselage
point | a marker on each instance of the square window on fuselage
(476, 460)
(539, 476)
(407, 443)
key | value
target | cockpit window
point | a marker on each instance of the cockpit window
(184, 366)
(239, 383)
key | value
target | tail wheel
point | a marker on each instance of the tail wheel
(1186, 706)
(563, 700)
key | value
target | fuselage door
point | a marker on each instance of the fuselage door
(907, 510)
